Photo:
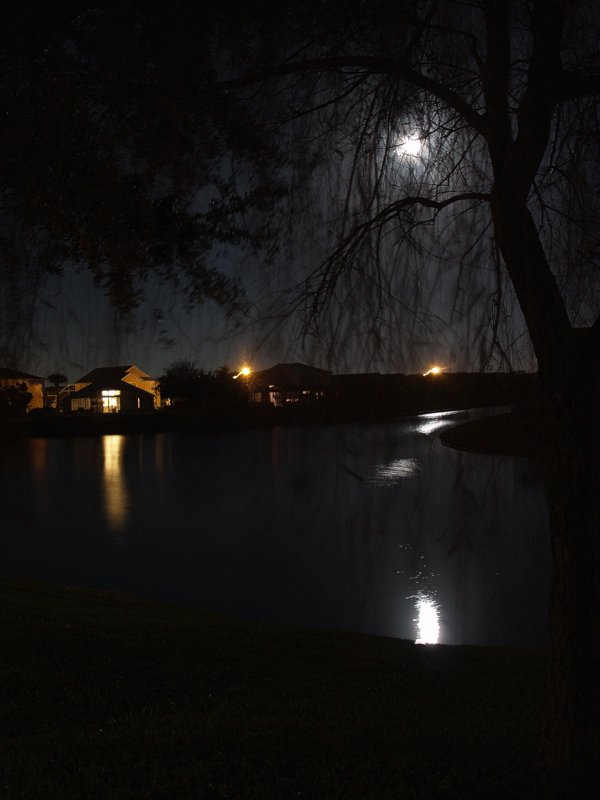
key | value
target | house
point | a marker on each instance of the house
(288, 383)
(115, 389)
(35, 385)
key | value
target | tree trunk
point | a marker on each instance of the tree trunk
(569, 371)
(571, 739)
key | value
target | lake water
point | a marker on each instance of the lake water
(373, 528)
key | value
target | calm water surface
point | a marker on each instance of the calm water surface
(372, 528)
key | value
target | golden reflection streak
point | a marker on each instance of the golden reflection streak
(116, 496)
(38, 450)
(38, 459)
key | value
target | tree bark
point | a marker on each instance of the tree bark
(570, 754)
(569, 373)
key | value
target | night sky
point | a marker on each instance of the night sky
(68, 324)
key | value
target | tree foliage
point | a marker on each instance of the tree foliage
(58, 381)
(207, 390)
(14, 400)
(113, 153)
(182, 379)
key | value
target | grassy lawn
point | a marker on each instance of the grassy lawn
(105, 695)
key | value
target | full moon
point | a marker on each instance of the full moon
(411, 145)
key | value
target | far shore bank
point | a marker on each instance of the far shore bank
(361, 403)
(46, 426)
(514, 433)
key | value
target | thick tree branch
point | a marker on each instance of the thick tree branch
(495, 76)
(592, 343)
(536, 109)
(411, 201)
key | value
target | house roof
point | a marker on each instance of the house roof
(105, 374)
(16, 374)
(305, 368)
(291, 376)
(95, 389)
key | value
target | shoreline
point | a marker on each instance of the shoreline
(353, 400)
(51, 425)
(514, 433)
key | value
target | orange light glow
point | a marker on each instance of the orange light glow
(433, 371)
(245, 371)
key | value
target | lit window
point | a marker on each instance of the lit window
(80, 402)
(111, 400)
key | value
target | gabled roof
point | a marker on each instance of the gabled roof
(106, 374)
(298, 368)
(306, 368)
(15, 374)
(95, 389)
(291, 377)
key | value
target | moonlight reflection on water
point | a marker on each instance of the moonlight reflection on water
(339, 527)
(428, 623)
(390, 474)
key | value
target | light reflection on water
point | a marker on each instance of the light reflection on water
(116, 496)
(339, 527)
(428, 620)
(390, 474)
(429, 423)
(38, 449)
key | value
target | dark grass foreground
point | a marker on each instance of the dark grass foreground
(105, 695)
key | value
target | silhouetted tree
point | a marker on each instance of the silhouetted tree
(58, 381)
(104, 147)
(463, 136)
(182, 381)
(211, 392)
(14, 400)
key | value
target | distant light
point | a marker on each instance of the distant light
(245, 371)
(433, 371)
